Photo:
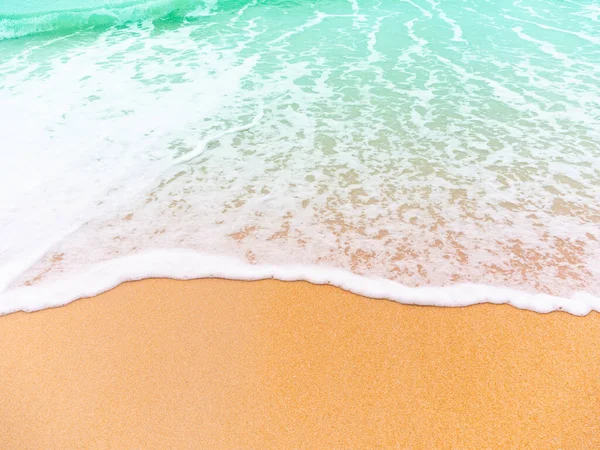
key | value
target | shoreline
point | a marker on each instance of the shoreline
(180, 264)
(214, 363)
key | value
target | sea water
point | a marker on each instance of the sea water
(434, 152)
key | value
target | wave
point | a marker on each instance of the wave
(96, 17)
(185, 264)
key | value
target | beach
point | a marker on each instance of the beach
(386, 214)
(220, 364)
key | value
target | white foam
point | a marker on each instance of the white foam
(79, 15)
(420, 8)
(201, 146)
(546, 47)
(184, 265)
(456, 29)
(579, 34)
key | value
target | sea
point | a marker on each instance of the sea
(432, 152)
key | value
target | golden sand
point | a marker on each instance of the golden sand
(254, 365)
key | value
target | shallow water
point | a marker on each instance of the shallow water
(429, 143)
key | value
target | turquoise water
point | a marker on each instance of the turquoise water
(430, 143)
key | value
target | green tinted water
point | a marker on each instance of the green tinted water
(427, 142)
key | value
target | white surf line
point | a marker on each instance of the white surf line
(417, 49)
(241, 11)
(502, 93)
(319, 16)
(456, 29)
(374, 55)
(529, 9)
(201, 146)
(594, 12)
(356, 13)
(546, 47)
(316, 20)
(420, 8)
(22, 56)
(579, 34)
(186, 264)
(421, 43)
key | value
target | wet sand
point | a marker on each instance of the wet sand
(252, 365)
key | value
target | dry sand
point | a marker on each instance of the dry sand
(252, 365)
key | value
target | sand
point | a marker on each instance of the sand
(253, 365)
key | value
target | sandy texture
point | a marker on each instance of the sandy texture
(251, 365)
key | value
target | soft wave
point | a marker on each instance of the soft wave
(185, 264)
(385, 148)
(66, 21)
